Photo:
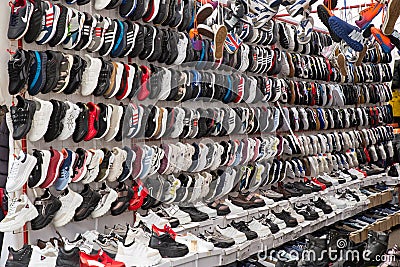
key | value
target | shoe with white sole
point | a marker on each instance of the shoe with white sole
(108, 196)
(231, 232)
(137, 254)
(117, 167)
(70, 202)
(44, 257)
(94, 166)
(69, 121)
(151, 219)
(190, 239)
(20, 170)
(89, 83)
(115, 120)
(259, 228)
(174, 211)
(20, 211)
(40, 120)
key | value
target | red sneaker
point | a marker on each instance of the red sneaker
(56, 160)
(143, 90)
(99, 259)
(139, 195)
(315, 181)
(93, 121)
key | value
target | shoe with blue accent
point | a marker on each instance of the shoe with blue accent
(75, 30)
(383, 40)
(349, 33)
(299, 7)
(127, 8)
(232, 42)
(37, 73)
(66, 170)
(120, 39)
(49, 24)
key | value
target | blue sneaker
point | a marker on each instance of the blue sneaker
(120, 39)
(147, 161)
(37, 73)
(66, 170)
(349, 33)
(49, 24)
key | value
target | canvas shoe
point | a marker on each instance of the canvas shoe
(20, 211)
(21, 13)
(20, 170)
(46, 256)
(40, 120)
(92, 70)
(70, 201)
(49, 23)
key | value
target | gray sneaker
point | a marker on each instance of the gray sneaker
(98, 36)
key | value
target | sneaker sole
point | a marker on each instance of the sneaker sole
(324, 17)
(342, 64)
(28, 169)
(219, 40)
(393, 12)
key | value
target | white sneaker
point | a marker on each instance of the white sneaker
(101, 4)
(174, 211)
(231, 232)
(69, 121)
(178, 127)
(212, 213)
(70, 201)
(137, 235)
(115, 120)
(281, 223)
(40, 120)
(21, 168)
(108, 196)
(90, 75)
(20, 211)
(151, 219)
(94, 166)
(137, 254)
(260, 229)
(46, 257)
(232, 207)
(194, 243)
(117, 168)
(339, 203)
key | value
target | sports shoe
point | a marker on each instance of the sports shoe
(99, 259)
(44, 257)
(55, 126)
(75, 30)
(70, 202)
(108, 196)
(68, 257)
(65, 66)
(91, 199)
(137, 254)
(99, 33)
(19, 257)
(20, 170)
(125, 194)
(93, 167)
(87, 32)
(66, 170)
(104, 168)
(243, 227)
(21, 13)
(62, 29)
(153, 219)
(18, 71)
(349, 33)
(109, 38)
(83, 158)
(93, 121)
(218, 240)
(40, 120)
(174, 211)
(37, 73)
(189, 239)
(115, 121)
(92, 70)
(231, 232)
(20, 211)
(39, 173)
(391, 15)
(117, 167)
(56, 160)
(49, 23)
(35, 22)
(47, 206)
(22, 116)
(163, 241)
(368, 14)
(259, 228)
(69, 121)
(382, 39)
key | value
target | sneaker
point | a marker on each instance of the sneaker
(125, 194)
(93, 167)
(92, 70)
(75, 30)
(117, 166)
(82, 123)
(93, 121)
(55, 125)
(40, 120)
(115, 120)
(37, 73)
(108, 196)
(49, 23)
(47, 205)
(69, 121)
(164, 242)
(70, 202)
(286, 217)
(19, 257)
(104, 168)
(349, 33)
(22, 116)
(99, 33)
(18, 71)
(368, 14)
(243, 227)
(66, 170)
(217, 239)
(174, 211)
(39, 172)
(231, 232)
(35, 22)
(44, 257)
(20, 170)
(62, 28)
(20, 211)
(21, 13)
(189, 239)
(99, 259)
(68, 257)
(137, 254)
(91, 199)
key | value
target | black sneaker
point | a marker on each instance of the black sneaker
(36, 174)
(90, 200)
(321, 204)
(139, 10)
(104, 78)
(306, 211)
(62, 26)
(195, 214)
(22, 115)
(75, 79)
(19, 258)
(87, 33)
(82, 126)
(157, 51)
(242, 227)
(52, 70)
(68, 258)
(47, 205)
(56, 125)
(286, 217)
(125, 193)
(162, 12)
(35, 23)
(21, 13)
(131, 32)
(118, 137)
(103, 120)
(139, 42)
(149, 39)
(120, 39)
(127, 8)
(167, 246)
(171, 12)
(37, 73)
(109, 38)
(18, 71)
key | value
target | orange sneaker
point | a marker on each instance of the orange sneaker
(368, 14)
(382, 39)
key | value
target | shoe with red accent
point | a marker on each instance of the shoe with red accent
(93, 121)
(165, 230)
(383, 40)
(138, 197)
(368, 14)
(53, 171)
(126, 84)
(143, 90)
(318, 183)
(100, 259)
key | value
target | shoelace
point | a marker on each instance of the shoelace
(14, 169)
